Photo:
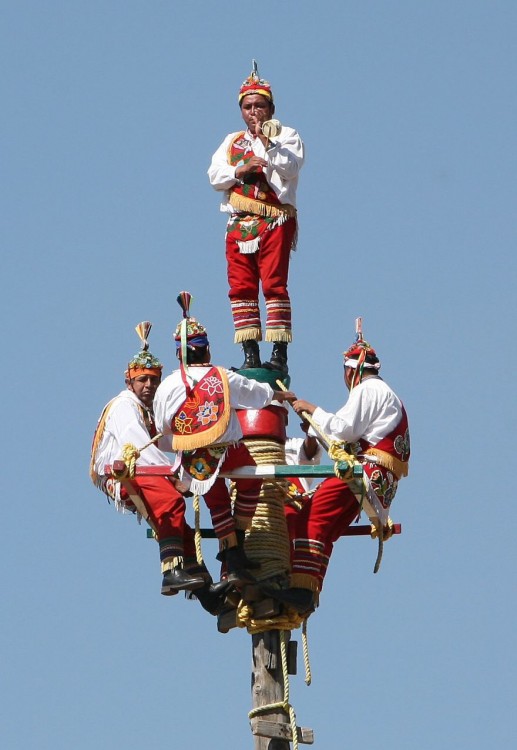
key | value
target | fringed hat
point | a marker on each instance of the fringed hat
(360, 356)
(143, 363)
(255, 85)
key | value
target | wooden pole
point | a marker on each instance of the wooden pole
(267, 685)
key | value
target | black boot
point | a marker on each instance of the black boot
(236, 565)
(248, 564)
(178, 579)
(302, 600)
(212, 597)
(278, 359)
(251, 355)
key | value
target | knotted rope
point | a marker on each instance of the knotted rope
(131, 454)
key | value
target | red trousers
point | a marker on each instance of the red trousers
(166, 508)
(218, 498)
(328, 514)
(268, 266)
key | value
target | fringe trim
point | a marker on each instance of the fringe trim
(171, 562)
(201, 486)
(249, 247)
(392, 463)
(244, 204)
(228, 541)
(279, 336)
(247, 334)
(305, 581)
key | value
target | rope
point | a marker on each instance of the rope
(267, 540)
(305, 647)
(284, 704)
(197, 530)
(335, 449)
(130, 455)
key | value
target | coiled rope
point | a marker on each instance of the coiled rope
(267, 540)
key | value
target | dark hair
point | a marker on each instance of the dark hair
(196, 355)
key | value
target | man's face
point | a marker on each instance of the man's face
(255, 108)
(144, 387)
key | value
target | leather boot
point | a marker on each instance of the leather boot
(178, 579)
(212, 597)
(248, 564)
(278, 360)
(251, 355)
(236, 564)
(302, 600)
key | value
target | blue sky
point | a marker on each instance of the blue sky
(110, 113)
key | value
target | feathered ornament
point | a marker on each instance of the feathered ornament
(184, 299)
(143, 329)
(144, 359)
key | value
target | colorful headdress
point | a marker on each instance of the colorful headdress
(143, 363)
(189, 332)
(255, 85)
(360, 356)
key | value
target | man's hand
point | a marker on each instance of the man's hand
(255, 164)
(300, 406)
(284, 396)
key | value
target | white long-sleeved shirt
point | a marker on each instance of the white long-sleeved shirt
(244, 394)
(372, 411)
(125, 424)
(295, 456)
(285, 158)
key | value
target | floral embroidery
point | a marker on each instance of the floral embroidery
(207, 413)
(402, 445)
(212, 385)
(182, 423)
(384, 485)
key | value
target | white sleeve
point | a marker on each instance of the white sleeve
(350, 422)
(220, 173)
(128, 426)
(248, 394)
(285, 156)
(295, 453)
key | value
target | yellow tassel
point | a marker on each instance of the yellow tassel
(243, 204)
(392, 463)
(281, 336)
(304, 581)
(228, 541)
(247, 334)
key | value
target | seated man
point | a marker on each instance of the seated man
(128, 419)
(300, 452)
(374, 425)
(196, 405)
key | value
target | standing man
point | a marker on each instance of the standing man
(374, 426)
(128, 420)
(196, 405)
(257, 170)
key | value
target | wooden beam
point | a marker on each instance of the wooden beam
(263, 728)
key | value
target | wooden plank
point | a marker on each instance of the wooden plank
(264, 471)
(264, 728)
